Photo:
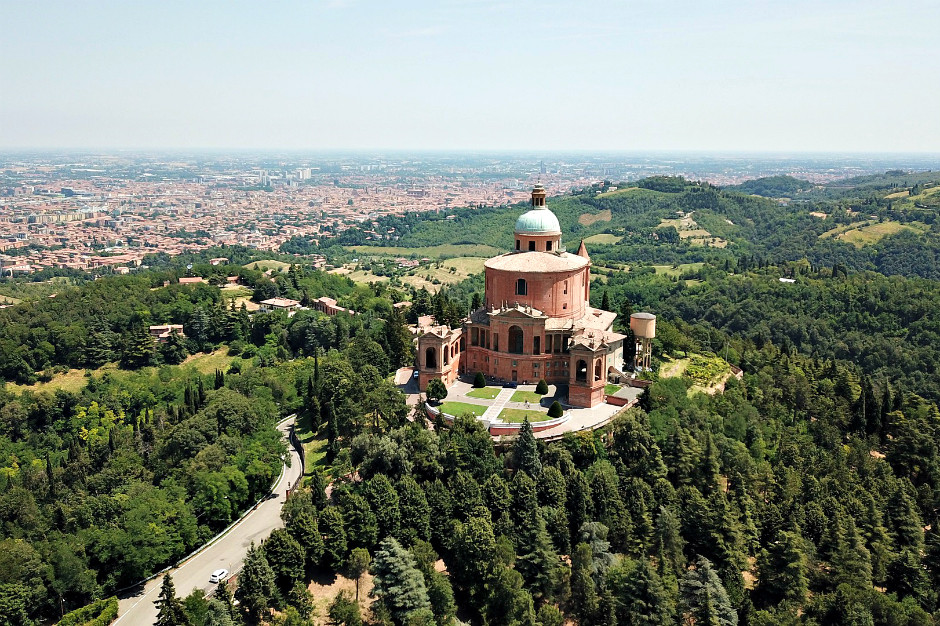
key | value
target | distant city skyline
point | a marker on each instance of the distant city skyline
(471, 75)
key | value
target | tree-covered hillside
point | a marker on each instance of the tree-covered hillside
(670, 220)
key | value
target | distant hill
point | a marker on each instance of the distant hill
(773, 186)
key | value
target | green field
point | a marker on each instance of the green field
(603, 238)
(75, 380)
(486, 393)
(873, 233)
(611, 389)
(264, 266)
(451, 271)
(526, 396)
(461, 408)
(209, 363)
(431, 252)
(619, 192)
(518, 415)
(669, 270)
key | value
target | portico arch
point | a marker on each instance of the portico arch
(515, 340)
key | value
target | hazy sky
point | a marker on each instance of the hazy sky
(472, 74)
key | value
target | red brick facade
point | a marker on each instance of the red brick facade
(536, 321)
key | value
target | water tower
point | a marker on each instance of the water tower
(643, 326)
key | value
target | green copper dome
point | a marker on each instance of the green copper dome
(540, 221)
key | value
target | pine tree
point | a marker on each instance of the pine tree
(344, 611)
(384, 501)
(334, 537)
(583, 592)
(537, 561)
(397, 582)
(703, 598)
(594, 534)
(255, 583)
(286, 557)
(415, 511)
(138, 349)
(356, 565)
(304, 528)
(605, 301)
(170, 608)
(507, 603)
(360, 521)
(782, 569)
(640, 597)
(851, 564)
(525, 452)
(577, 504)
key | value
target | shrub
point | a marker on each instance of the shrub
(555, 410)
(99, 613)
(436, 390)
(479, 381)
(542, 387)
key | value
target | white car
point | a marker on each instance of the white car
(218, 576)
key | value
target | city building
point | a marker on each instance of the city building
(536, 321)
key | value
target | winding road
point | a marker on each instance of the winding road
(226, 552)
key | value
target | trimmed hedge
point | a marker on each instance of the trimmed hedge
(99, 613)
(479, 381)
(542, 387)
(555, 410)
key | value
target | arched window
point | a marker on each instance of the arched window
(597, 370)
(522, 289)
(446, 354)
(515, 340)
(531, 246)
(548, 245)
(518, 244)
(580, 372)
(430, 357)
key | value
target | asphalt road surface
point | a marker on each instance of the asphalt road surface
(228, 552)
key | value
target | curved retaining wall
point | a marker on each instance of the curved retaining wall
(498, 428)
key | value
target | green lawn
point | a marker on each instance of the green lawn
(611, 389)
(526, 396)
(314, 449)
(460, 408)
(208, 363)
(486, 393)
(518, 415)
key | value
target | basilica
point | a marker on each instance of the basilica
(536, 321)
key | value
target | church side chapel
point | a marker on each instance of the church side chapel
(536, 321)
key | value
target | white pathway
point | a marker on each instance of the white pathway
(498, 403)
